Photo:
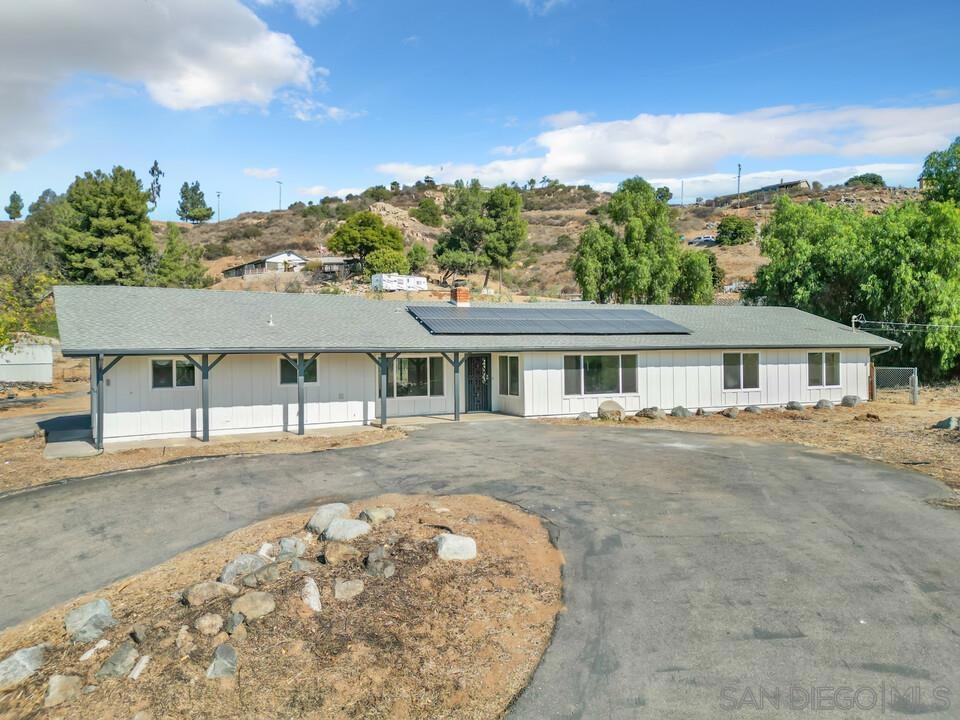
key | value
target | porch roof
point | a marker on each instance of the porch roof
(116, 320)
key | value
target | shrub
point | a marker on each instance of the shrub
(564, 243)
(386, 260)
(735, 230)
(866, 180)
(216, 250)
(428, 212)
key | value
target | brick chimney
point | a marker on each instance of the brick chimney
(460, 296)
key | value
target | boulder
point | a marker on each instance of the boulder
(241, 565)
(184, 639)
(823, 404)
(254, 605)
(680, 411)
(121, 662)
(794, 406)
(208, 624)
(100, 645)
(341, 529)
(731, 412)
(611, 410)
(378, 563)
(948, 423)
(62, 688)
(266, 574)
(701, 412)
(456, 547)
(87, 622)
(753, 409)
(138, 633)
(239, 634)
(850, 400)
(224, 663)
(307, 566)
(324, 515)
(868, 417)
(584, 416)
(17, 667)
(292, 546)
(202, 592)
(653, 413)
(377, 515)
(139, 667)
(310, 594)
(347, 589)
(267, 551)
(335, 553)
(234, 620)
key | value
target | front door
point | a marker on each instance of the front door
(478, 383)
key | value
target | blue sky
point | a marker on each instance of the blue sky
(329, 95)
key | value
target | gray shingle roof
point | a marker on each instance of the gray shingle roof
(134, 320)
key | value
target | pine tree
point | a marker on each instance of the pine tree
(15, 209)
(193, 206)
(180, 265)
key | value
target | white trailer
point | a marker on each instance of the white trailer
(394, 281)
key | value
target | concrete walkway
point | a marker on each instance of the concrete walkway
(699, 568)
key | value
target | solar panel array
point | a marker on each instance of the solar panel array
(592, 320)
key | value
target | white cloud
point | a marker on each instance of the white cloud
(411, 40)
(186, 54)
(565, 119)
(343, 192)
(541, 7)
(700, 144)
(307, 109)
(314, 190)
(310, 11)
(262, 173)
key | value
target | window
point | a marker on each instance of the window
(823, 369)
(414, 377)
(599, 374)
(571, 375)
(509, 375)
(741, 371)
(164, 373)
(288, 372)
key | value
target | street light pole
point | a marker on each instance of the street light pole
(279, 195)
(738, 186)
(218, 207)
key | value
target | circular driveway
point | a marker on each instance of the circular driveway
(703, 574)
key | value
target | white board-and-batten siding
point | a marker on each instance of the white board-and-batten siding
(28, 363)
(693, 379)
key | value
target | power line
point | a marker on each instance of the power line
(859, 322)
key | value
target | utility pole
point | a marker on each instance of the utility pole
(738, 186)
(681, 193)
(279, 195)
(218, 207)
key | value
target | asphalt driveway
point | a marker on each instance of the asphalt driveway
(701, 571)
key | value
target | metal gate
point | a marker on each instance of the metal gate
(897, 378)
(478, 383)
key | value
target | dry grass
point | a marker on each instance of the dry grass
(902, 437)
(452, 640)
(22, 463)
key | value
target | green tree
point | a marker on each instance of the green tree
(866, 180)
(453, 263)
(695, 284)
(155, 174)
(179, 265)
(15, 209)
(716, 272)
(418, 257)
(105, 237)
(386, 260)
(634, 255)
(735, 230)
(664, 194)
(941, 174)
(193, 206)
(44, 201)
(394, 187)
(377, 193)
(428, 212)
(364, 233)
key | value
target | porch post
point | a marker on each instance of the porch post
(300, 391)
(98, 441)
(205, 395)
(383, 389)
(456, 386)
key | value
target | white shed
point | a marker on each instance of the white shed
(27, 362)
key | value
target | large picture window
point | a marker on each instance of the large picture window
(414, 377)
(599, 374)
(288, 372)
(509, 382)
(741, 371)
(823, 369)
(172, 373)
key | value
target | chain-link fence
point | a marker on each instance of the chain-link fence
(897, 379)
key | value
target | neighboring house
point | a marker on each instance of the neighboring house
(332, 267)
(393, 281)
(27, 361)
(286, 261)
(178, 363)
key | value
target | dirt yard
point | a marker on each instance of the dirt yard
(902, 436)
(22, 463)
(451, 639)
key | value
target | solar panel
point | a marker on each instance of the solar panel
(592, 320)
